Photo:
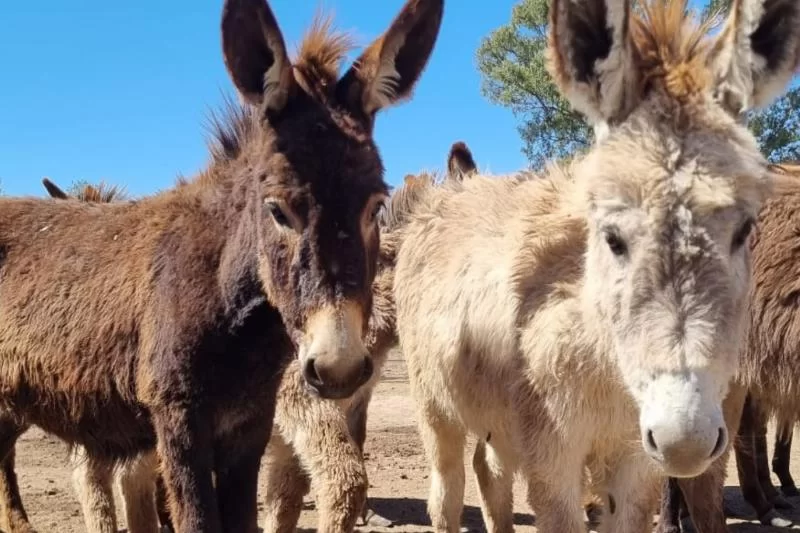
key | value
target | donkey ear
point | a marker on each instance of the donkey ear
(757, 53)
(388, 69)
(53, 189)
(255, 53)
(460, 163)
(590, 56)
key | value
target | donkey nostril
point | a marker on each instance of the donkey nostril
(310, 373)
(368, 369)
(720, 444)
(651, 441)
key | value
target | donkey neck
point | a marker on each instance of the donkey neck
(226, 194)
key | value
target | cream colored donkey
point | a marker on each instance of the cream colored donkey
(595, 314)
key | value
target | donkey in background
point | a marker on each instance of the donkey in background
(594, 314)
(170, 327)
(769, 368)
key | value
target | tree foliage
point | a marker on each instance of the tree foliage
(512, 66)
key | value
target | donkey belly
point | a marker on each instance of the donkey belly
(98, 417)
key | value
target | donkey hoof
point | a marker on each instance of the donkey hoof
(790, 491)
(373, 519)
(782, 503)
(774, 519)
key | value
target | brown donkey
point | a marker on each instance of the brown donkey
(319, 441)
(596, 313)
(770, 368)
(92, 477)
(167, 322)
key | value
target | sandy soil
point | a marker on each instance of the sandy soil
(398, 475)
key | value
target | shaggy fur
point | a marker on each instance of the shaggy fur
(317, 441)
(556, 318)
(769, 368)
(171, 325)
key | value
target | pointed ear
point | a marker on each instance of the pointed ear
(388, 69)
(757, 53)
(590, 56)
(255, 53)
(460, 163)
(53, 190)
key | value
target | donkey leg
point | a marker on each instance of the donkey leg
(781, 457)
(703, 495)
(357, 422)
(162, 505)
(495, 483)
(632, 490)
(762, 463)
(334, 460)
(238, 459)
(287, 484)
(91, 480)
(137, 481)
(14, 518)
(704, 498)
(556, 499)
(747, 468)
(187, 458)
(669, 517)
(444, 443)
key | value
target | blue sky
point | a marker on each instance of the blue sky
(120, 90)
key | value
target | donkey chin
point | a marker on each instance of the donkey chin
(682, 424)
(333, 359)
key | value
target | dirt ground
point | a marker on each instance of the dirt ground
(398, 475)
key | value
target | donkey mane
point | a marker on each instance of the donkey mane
(403, 200)
(316, 69)
(320, 55)
(672, 48)
(101, 193)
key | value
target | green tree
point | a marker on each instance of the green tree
(512, 66)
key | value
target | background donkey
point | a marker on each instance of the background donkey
(770, 369)
(172, 325)
(594, 313)
(137, 479)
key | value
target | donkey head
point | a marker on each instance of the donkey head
(671, 191)
(318, 176)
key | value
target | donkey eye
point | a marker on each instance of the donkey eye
(376, 211)
(615, 244)
(278, 215)
(740, 237)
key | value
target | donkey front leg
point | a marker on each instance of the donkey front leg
(91, 479)
(633, 491)
(556, 499)
(287, 484)
(186, 450)
(669, 517)
(328, 452)
(237, 459)
(357, 422)
(703, 497)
